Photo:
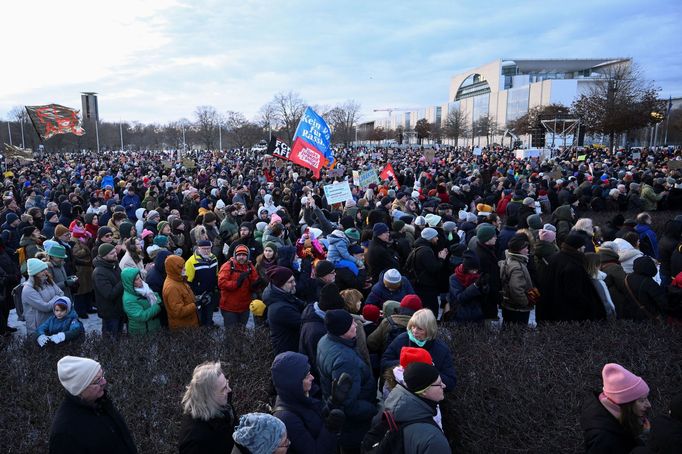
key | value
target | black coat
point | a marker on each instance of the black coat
(79, 428)
(284, 319)
(427, 265)
(312, 330)
(566, 291)
(648, 298)
(381, 257)
(602, 432)
(488, 265)
(207, 437)
(665, 436)
(106, 280)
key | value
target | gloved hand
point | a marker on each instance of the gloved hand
(483, 283)
(178, 251)
(335, 420)
(58, 338)
(42, 340)
(242, 277)
(340, 389)
(257, 283)
(71, 281)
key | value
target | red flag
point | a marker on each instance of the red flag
(389, 172)
(305, 155)
(54, 119)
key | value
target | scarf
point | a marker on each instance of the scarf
(414, 340)
(146, 292)
(320, 313)
(464, 278)
(614, 409)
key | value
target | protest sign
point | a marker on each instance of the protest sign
(478, 151)
(582, 157)
(188, 163)
(636, 155)
(368, 177)
(387, 173)
(429, 155)
(337, 192)
(167, 164)
(314, 131)
(356, 177)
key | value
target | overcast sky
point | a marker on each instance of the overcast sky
(156, 60)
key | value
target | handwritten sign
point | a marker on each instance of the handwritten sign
(368, 177)
(337, 192)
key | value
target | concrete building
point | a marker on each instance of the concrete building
(506, 89)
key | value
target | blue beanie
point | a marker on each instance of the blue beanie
(379, 228)
(259, 432)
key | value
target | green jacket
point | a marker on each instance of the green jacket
(649, 198)
(142, 315)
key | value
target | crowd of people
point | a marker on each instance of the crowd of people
(352, 293)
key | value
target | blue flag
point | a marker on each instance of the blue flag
(314, 130)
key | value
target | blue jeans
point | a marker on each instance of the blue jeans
(232, 319)
(112, 326)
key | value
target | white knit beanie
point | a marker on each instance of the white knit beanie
(76, 373)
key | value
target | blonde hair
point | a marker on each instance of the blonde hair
(425, 320)
(200, 399)
(351, 297)
(585, 225)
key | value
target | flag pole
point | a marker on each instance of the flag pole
(21, 122)
(97, 134)
(220, 137)
(120, 128)
(9, 130)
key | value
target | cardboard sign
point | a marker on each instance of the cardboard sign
(582, 157)
(478, 151)
(356, 178)
(188, 163)
(167, 164)
(429, 155)
(636, 155)
(337, 192)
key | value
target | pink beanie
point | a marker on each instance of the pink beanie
(275, 218)
(622, 386)
(547, 235)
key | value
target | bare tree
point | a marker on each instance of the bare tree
(343, 120)
(288, 110)
(456, 125)
(267, 118)
(240, 131)
(423, 129)
(486, 126)
(622, 101)
(207, 120)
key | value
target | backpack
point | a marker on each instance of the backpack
(409, 270)
(387, 435)
(394, 330)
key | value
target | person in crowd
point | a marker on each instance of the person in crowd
(31, 241)
(467, 287)
(133, 256)
(380, 255)
(414, 406)
(266, 260)
(519, 292)
(178, 297)
(284, 309)
(567, 292)
(260, 433)
(81, 253)
(62, 326)
(106, 278)
(202, 275)
(484, 248)
(10, 277)
(598, 278)
(672, 235)
(644, 297)
(237, 281)
(208, 417)
(349, 275)
(422, 332)
(38, 294)
(613, 420)
(336, 355)
(429, 266)
(393, 324)
(666, 429)
(87, 420)
(247, 239)
(56, 256)
(312, 426)
(141, 304)
(390, 286)
(628, 251)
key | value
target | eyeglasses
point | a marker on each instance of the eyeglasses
(99, 381)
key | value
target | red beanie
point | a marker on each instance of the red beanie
(412, 302)
(409, 355)
(371, 312)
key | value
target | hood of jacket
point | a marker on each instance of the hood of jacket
(563, 213)
(645, 266)
(288, 371)
(65, 300)
(337, 237)
(139, 214)
(608, 255)
(100, 262)
(128, 276)
(407, 406)
(174, 265)
(65, 209)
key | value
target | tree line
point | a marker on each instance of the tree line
(207, 128)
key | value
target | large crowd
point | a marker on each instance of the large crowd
(352, 293)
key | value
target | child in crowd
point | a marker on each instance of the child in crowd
(62, 325)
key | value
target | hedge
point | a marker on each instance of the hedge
(518, 389)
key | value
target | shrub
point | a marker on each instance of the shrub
(518, 389)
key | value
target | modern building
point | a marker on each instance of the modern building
(506, 89)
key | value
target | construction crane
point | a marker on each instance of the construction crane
(390, 110)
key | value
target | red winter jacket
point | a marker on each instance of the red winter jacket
(233, 298)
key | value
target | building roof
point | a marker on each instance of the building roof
(561, 64)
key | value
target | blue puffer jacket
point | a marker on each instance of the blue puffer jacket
(284, 319)
(312, 330)
(380, 294)
(302, 415)
(157, 274)
(465, 302)
(338, 247)
(440, 353)
(334, 357)
(69, 325)
(646, 235)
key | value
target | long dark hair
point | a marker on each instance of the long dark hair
(630, 421)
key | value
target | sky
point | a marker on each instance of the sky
(157, 60)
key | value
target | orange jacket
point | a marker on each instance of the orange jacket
(178, 297)
(235, 298)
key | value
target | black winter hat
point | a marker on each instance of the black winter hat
(574, 240)
(338, 321)
(470, 261)
(347, 222)
(419, 376)
(323, 268)
(330, 298)
(517, 242)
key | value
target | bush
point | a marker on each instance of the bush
(519, 390)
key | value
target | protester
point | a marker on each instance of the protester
(178, 297)
(284, 310)
(38, 294)
(260, 433)
(63, 325)
(87, 420)
(106, 279)
(237, 281)
(141, 304)
(208, 418)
